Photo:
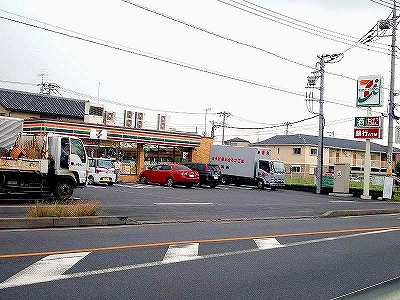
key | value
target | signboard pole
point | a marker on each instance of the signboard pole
(367, 164)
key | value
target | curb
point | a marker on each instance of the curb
(57, 222)
(62, 222)
(359, 212)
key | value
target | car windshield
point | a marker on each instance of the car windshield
(105, 163)
(213, 168)
(279, 167)
(182, 168)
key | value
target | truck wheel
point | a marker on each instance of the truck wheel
(63, 190)
(224, 180)
(170, 182)
(90, 180)
(213, 185)
(260, 184)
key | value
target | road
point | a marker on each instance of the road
(158, 203)
(312, 258)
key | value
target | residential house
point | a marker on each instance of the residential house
(237, 142)
(25, 105)
(299, 153)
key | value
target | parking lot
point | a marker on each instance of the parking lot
(152, 202)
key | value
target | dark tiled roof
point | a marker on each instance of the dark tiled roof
(237, 140)
(42, 104)
(302, 139)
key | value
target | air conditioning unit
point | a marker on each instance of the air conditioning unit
(163, 122)
(129, 123)
(94, 113)
(129, 118)
(109, 118)
(139, 120)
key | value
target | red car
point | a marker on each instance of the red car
(170, 174)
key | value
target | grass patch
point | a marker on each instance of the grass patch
(74, 208)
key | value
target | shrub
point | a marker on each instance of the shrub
(74, 208)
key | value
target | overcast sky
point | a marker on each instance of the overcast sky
(278, 57)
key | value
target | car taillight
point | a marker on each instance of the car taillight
(115, 172)
(206, 168)
(96, 170)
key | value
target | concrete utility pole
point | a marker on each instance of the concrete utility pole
(224, 116)
(205, 121)
(389, 166)
(319, 73)
(287, 124)
(321, 123)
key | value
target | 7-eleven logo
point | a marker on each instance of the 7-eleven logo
(369, 91)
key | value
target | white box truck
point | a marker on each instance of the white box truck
(248, 165)
(32, 164)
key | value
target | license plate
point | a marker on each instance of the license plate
(216, 176)
(106, 179)
(191, 175)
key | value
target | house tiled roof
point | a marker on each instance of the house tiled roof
(237, 140)
(42, 104)
(329, 142)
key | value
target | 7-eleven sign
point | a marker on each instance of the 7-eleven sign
(370, 91)
(98, 134)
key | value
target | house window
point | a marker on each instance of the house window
(313, 151)
(295, 169)
(278, 150)
(296, 150)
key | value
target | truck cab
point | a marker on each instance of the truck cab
(76, 156)
(270, 173)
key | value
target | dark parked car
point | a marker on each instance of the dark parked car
(209, 174)
(170, 174)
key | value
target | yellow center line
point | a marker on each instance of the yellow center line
(15, 255)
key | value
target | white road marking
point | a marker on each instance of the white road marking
(341, 201)
(183, 203)
(268, 243)
(178, 253)
(49, 268)
(3, 285)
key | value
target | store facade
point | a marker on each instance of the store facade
(137, 149)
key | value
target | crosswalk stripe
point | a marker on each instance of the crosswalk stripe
(268, 243)
(49, 268)
(178, 253)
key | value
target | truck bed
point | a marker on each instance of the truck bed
(23, 164)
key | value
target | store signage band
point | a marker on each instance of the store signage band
(362, 122)
(367, 133)
(368, 128)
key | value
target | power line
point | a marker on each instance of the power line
(155, 57)
(261, 14)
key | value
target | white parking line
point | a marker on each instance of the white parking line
(183, 203)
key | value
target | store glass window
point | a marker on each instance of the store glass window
(155, 154)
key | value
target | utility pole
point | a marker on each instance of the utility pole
(287, 124)
(311, 84)
(212, 129)
(389, 158)
(224, 116)
(205, 122)
(320, 154)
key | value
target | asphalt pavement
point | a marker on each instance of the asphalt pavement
(135, 203)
